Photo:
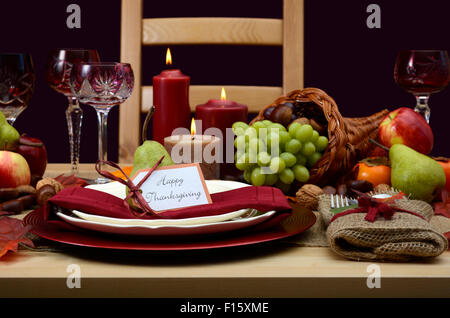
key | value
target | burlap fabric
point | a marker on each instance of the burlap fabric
(405, 237)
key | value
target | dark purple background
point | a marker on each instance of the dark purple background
(350, 62)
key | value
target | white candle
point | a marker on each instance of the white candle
(203, 149)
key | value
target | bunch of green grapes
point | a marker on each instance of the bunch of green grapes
(269, 154)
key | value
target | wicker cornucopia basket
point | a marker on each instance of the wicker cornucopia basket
(348, 137)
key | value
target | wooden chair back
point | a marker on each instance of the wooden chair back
(137, 31)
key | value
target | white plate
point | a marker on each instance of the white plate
(165, 222)
(199, 225)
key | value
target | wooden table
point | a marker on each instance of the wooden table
(276, 269)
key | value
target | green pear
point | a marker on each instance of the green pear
(9, 137)
(415, 174)
(148, 154)
(2, 118)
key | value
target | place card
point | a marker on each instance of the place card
(174, 187)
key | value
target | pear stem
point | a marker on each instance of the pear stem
(378, 144)
(147, 120)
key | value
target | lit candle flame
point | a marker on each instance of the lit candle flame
(168, 57)
(223, 95)
(193, 128)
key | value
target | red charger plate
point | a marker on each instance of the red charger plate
(299, 221)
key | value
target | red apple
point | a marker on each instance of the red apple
(378, 152)
(14, 170)
(405, 126)
(34, 152)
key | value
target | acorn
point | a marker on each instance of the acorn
(44, 193)
(363, 186)
(329, 190)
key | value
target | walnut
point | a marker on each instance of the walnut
(382, 188)
(308, 196)
(302, 121)
(49, 181)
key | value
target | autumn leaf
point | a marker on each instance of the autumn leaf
(12, 232)
(126, 169)
(443, 208)
(6, 213)
(71, 181)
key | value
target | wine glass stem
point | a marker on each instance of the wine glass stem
(422, 106)
(74, 117)
(102, 116)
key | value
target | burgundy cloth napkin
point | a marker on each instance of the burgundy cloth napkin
(96, 202)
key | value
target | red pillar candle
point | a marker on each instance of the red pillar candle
(221, 114)
(171, 101)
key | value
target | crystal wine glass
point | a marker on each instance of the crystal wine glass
(16, 84)
(60, 65)
(421, 73)
(102, 85)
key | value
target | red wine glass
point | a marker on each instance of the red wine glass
(61, 62)
(102, 85)
(421, 73)
(16, 84)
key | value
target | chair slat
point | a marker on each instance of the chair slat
(239, 31)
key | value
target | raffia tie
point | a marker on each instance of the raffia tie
(373, 208)
(135, 191)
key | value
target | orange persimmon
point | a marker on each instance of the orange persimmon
(376, 170)
(445, 163)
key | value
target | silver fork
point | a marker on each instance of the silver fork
(340, 201)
